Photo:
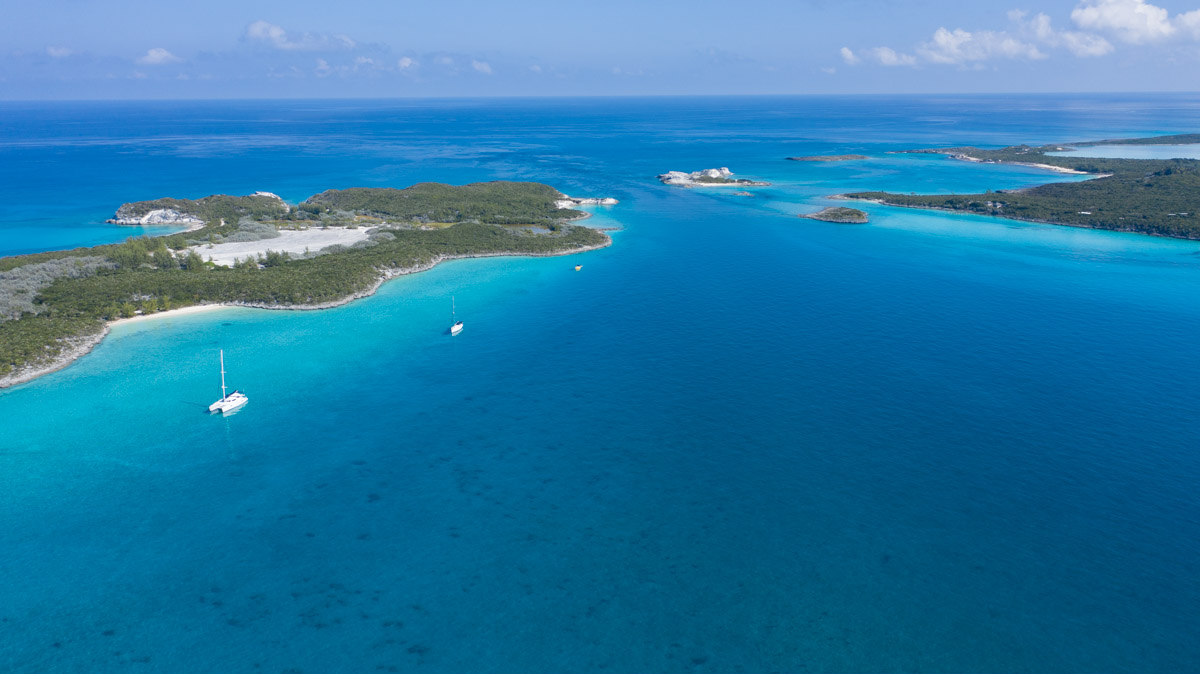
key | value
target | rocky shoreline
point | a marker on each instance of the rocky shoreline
(158, 216)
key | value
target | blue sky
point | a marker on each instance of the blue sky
(92, 49)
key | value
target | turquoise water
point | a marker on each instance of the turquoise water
(735, 441)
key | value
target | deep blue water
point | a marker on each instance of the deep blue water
(737, 441)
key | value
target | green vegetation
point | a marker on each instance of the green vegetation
(839, 214)
(1149, 196)
(49, 300)
(501, 203)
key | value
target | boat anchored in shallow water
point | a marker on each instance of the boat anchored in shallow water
(231, 402)
(455, 326)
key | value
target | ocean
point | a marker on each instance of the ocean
(735, 441)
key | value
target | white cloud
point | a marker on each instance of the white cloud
(444, 60)
(958, 46)
(1132, 21)
(535, 68)
(482, 67)
(1079, 44)
(1027, 42)
(829, 71)
(1085, 44)
(890, 57)
(405, 63)
(59, 52)
(322, 69)
(1189, 23)
(158, 57)
(267, 33)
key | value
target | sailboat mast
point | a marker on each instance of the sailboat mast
(222, 374)
(452, 310)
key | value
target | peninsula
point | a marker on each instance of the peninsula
(714, 177)
(1160, 197)
(258, 251)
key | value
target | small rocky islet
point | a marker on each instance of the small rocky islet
(838, 214)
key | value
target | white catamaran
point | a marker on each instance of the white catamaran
(231, 402)
(456, 326)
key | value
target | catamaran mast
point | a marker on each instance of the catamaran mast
(452, 321)
(222, 374)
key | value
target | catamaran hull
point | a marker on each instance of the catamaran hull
(229, 404)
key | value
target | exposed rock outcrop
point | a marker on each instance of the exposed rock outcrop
(276, 197)
(125, 215)
(714, 177)
(571, 202)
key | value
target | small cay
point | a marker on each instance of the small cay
(839, 214)
(713, 177)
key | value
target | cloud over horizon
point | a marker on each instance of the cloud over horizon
(360, 53)
(157, 57)
(1133, 22)
(274, 36)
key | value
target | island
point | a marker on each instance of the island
(714, 177)
(830, 157)
(838, 214)
(1160, 197)
(258, 251)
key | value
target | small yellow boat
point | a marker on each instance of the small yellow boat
(578, 267)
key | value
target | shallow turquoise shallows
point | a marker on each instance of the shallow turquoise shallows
(735, 441)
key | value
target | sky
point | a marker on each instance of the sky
(151, 49)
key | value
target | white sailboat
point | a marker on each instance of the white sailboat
(231, 402)
(456, 326)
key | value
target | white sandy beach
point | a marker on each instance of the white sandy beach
(289, 241)
(199, 308)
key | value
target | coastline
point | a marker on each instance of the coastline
(1045, 167)
(81, 346)
(882, 202)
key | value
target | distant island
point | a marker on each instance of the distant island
(1160, 197)
(714, 177)
(830, 157)
(838, 214)
(258, 251)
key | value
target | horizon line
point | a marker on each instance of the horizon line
(597, 96)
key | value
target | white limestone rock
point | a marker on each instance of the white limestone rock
(158, 216)
(571, 202)
(713, 177)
